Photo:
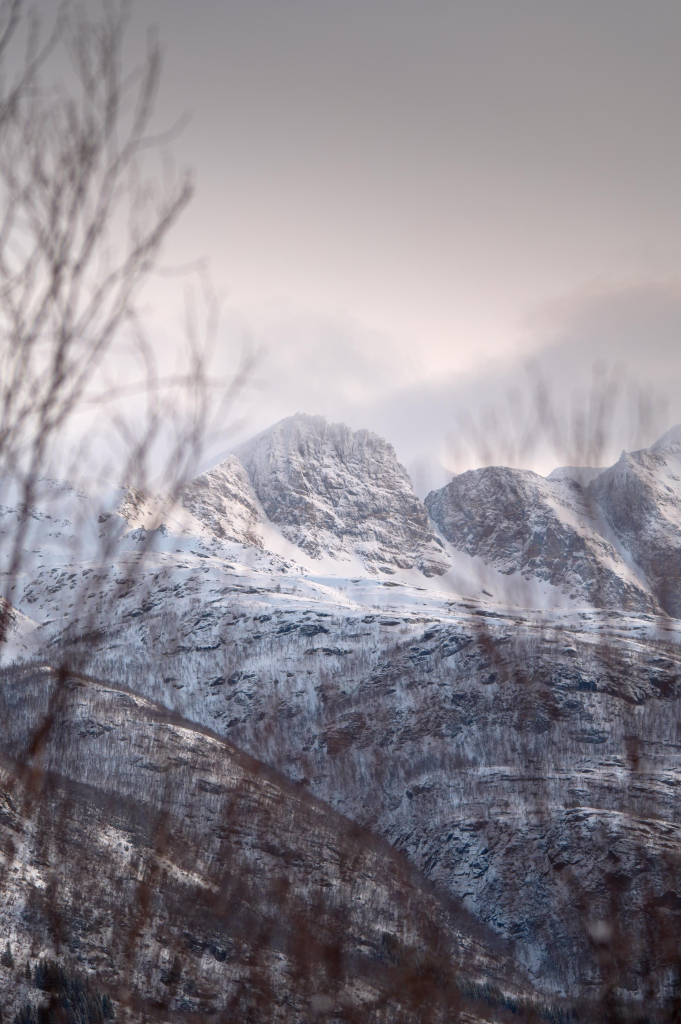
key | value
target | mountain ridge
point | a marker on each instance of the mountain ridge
(610, 537)
(503, 746)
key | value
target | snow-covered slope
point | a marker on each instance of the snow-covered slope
(611, 537)
(219, 505)
(517, 743)
(339, 492)
(583, 475)
(492, 746)
(61, 521)
(224, 501)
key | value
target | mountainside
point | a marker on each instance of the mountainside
(219, 506)
(523, 759)
(549, 528)
(158, 854)
(609, 537)
(641, 498)
(225, 502)
(502, 752)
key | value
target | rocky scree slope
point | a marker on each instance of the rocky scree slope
(193, 881)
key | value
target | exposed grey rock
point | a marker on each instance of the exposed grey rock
(550, 528)
(225, 502)
(641, 498)
(219, 504)
(335, 491)
(612, 537)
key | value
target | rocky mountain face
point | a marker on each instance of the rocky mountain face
(527, 764)
(641, 498)
(338, 492)
(553, 529)
(609, 537)
(522, 762)
(221, 506)
(224, 501)
(332, 492)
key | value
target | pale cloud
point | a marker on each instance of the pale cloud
(606, 361)
(413, 208)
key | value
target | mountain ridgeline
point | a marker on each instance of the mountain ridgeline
(295, 745)
(610, 538)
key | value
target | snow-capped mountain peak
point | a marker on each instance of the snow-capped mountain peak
(670, 441)
(338, 492)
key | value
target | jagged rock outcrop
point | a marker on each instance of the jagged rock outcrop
(641, 499)
(335, 491)
(611, 537)
(553, 529)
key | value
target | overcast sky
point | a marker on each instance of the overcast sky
(403, 201)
